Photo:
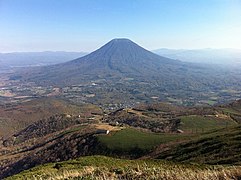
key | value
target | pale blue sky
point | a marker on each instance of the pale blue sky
(84, 25)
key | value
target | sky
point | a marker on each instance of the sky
(85, 25)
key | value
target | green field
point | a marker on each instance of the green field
(129, 138)
(101, 167)
(200, 124)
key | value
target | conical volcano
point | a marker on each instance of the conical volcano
(123, 52)
(120, 56)
(117, 59)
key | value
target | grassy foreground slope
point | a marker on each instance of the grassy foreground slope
(217, 147)
(101, 167)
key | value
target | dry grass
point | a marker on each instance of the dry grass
(140, 173)
(126, 169)
(106, 126)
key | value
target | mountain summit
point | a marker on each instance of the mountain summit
(122, 55)
(125, 50)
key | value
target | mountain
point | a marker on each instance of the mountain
(22, 59)
(122, 72)
(230, 57)
(117, 58)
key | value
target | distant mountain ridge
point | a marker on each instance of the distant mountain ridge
(23, 59)
(208, 55)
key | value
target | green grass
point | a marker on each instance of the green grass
(216, 147)
(101, 167)
(129, 138)
(230, 111)
(211, 102)
(199, 124)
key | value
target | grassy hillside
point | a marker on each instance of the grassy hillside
(216, 147)
(200, 124)
(15, 117)
(135, 142)
(146, 117)
(101, 167)
(209, 135)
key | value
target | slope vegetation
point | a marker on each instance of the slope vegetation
(64, 137)
(101, 167)
(15, 117)
(217, 147)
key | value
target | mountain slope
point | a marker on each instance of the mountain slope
(101, 167)
(18, 116)
(217, 147)
(62, 137)
(117, 58)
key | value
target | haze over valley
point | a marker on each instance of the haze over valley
(230, 57)
(9, 61)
